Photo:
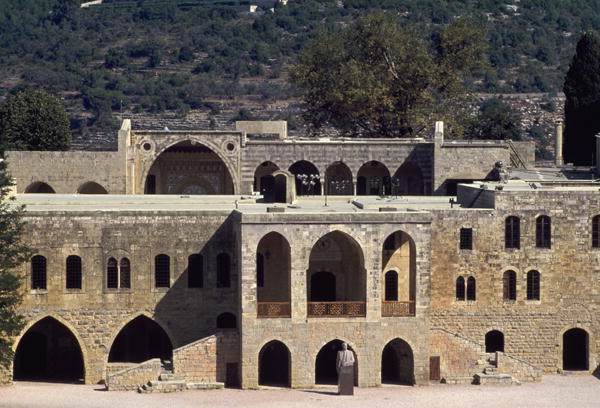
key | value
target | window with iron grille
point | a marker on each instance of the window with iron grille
(460, 288)
(471, 289)
(125, 274)
(260, 270)
(509, 284)
(195, 271)
(38, 272)
(542, 231)
(112, 274)
(533, 285)
(391, 285)
(596, 232)
(223, 271)
(73, 272)
(512, 232)
(162, 271)
(466, 238)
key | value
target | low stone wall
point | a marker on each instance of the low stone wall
(458, 355)
(206, 360)
(519, 369)
(112, 368)
(131, 378)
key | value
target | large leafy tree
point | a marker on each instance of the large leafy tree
(494, 121)
(582, 104)
(34, 120)
(13, 252)
(377, 79)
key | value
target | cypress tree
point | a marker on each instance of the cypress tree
(582, 104)
(13, 252)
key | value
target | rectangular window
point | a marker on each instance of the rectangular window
(466, 238)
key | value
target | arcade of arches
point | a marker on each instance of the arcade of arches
(188, 168)
(48, 351)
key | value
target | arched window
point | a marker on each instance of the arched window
(112, 274)
(195, 271)
(512, 232)
(542, 231)
(471, 289)
(391, 285)
(73, 272)
(596, 232)
(460, 288)
(38, 272)
(162, 271)
(533, 285)
(223, 271)
(125, 274)
(226, 321)
(494, 341)
(509, 285)
(260, 270)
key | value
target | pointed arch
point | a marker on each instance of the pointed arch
(274, 364)
(139, 340)
(325, 362)
(397, 363)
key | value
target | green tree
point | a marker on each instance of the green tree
(12, 254)
(494, 121)
(375, 79)
(34, 120)
(582, 104)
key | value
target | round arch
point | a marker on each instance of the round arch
(338, 179)
(49, 350)
(91, 187)
(325, 362)
(575, 349)
(273, 268)
(39, 187)
(263, 182)
(202, 158)
(310, 185)
(373, 178)
(397, 363)
(140, 339)
(408, 180)
(274, 364)
(494, 341)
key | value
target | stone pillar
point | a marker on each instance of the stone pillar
(558, 149)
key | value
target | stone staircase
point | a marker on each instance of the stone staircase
(169, 382)
(491, 376)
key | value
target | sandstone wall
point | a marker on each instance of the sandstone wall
(133, 377)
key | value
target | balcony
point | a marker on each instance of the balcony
(336, 309)
(397, 309)
(273, 309)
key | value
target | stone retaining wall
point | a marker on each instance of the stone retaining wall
(131, 378)
(519, 369)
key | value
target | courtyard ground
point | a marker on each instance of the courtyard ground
(570, 391)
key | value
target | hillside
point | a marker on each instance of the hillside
(189, 57)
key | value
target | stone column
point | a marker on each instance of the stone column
(559, 144)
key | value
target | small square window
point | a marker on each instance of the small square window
(466, 238)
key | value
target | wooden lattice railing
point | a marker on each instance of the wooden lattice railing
(336, 309)
(274, 309)
(394, 308)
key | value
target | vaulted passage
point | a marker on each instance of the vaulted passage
(325, 363)
(274, 364)
(188, 168)
(397, 363)
(49, 352)
(140, 340)
(373, 178)
(307, 178)
(575, 350)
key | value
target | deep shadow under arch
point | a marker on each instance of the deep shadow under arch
(91, 188)
(39, 188)
(494, 341)
(397, 363)
(274, 364)
(325, 363)
(140, 340)
(49, 351)
(576, 350)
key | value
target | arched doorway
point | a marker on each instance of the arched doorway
(322, 287)
(576, 350)
(273, 269)
(39, 188)
(309, 182)
(397, 363)
(91, 188)
(49, 352)
(325, 363)
(373, 178)
(188, 168)
(408, 180)
(140, 340)
(264, 182)
(494, 341)
(274, 364)
(338, 179)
